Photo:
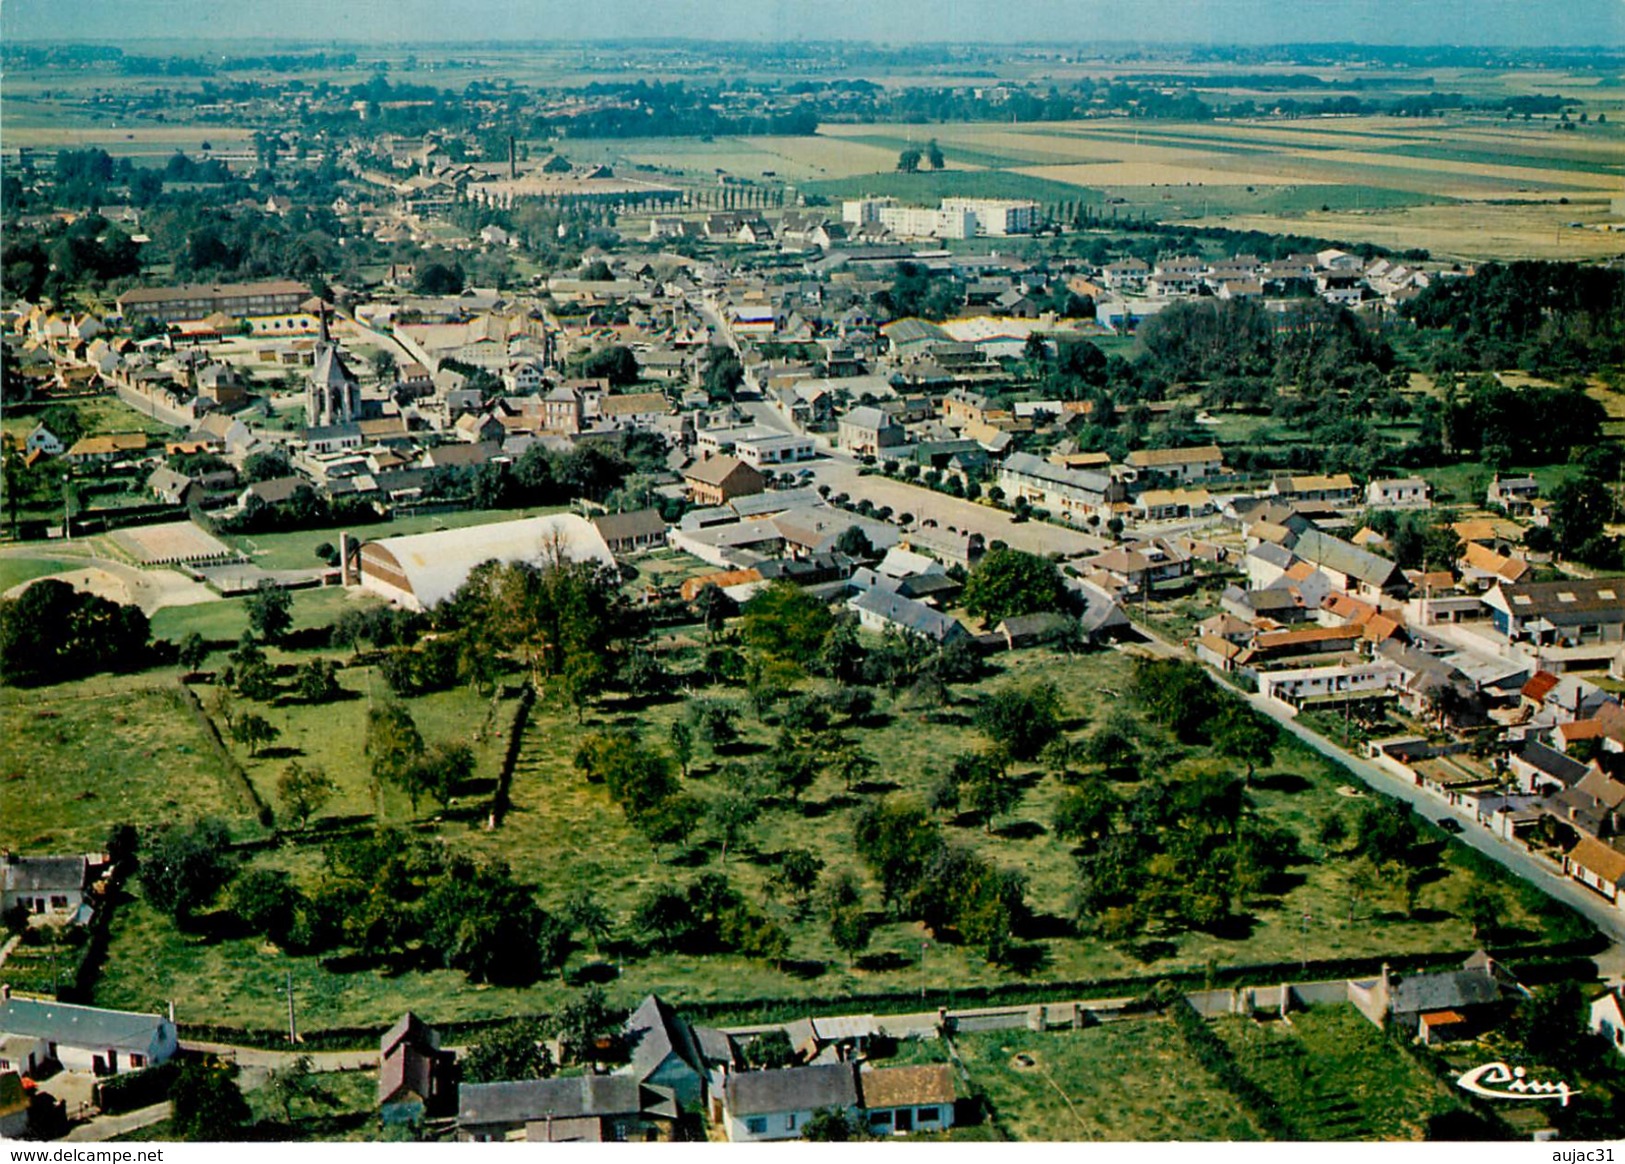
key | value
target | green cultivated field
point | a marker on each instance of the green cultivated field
(563, 833)
(223, 622)
(1336, 1075)
(14, 571)
(1126, 1080)
(927, 188)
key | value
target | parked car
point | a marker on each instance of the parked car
(1449, 824)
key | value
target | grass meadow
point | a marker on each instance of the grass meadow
(1336, 1075)
(1130, 1079)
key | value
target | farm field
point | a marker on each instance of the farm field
(1336, 1075)
(562, 833)
(1131, 1079)
(1473, 188)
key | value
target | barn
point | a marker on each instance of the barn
(419, 570)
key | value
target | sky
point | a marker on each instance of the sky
(1408, 22)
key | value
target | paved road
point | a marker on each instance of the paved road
(256, 1057)
(107, 1127)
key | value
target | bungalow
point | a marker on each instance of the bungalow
(1398, 493)
(877, 610)
(1599, 866)
(93, 450)
(627, 533)
(415, 1077)
(1191, 464)
(86, 1038)
(776, 1105)
(1481, 565)
(900, 1100)
(1172, 504)
(1608, 1019)
(1539, 767)
(49, 888)
(272, 491)
(1338, 490)
(1032, 630)
(718, 480)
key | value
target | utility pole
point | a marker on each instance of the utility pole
(923, 947)
(293, 1031)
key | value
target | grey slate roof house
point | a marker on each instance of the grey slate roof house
(49, 887)
(1434, 1006)
(776, 1105)
(626, 533)
(86, 1038)
(618, 1106)
(877, 610)
(664, 1053)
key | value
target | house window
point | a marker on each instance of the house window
(59, 902)
(756, 1125)
(790, 1122)
(137, 1061)
(928, 1115)
(881, 1119)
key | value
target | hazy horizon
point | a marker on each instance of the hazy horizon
(1418, 23)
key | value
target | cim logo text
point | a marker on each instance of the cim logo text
(1498, 1081)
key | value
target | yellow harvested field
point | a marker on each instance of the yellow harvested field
(1472, 231)
(189, 137)
(1526, 175)
(1159, 174)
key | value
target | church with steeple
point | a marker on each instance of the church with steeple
(333, 395)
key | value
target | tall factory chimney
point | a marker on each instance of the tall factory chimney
(513, 159)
